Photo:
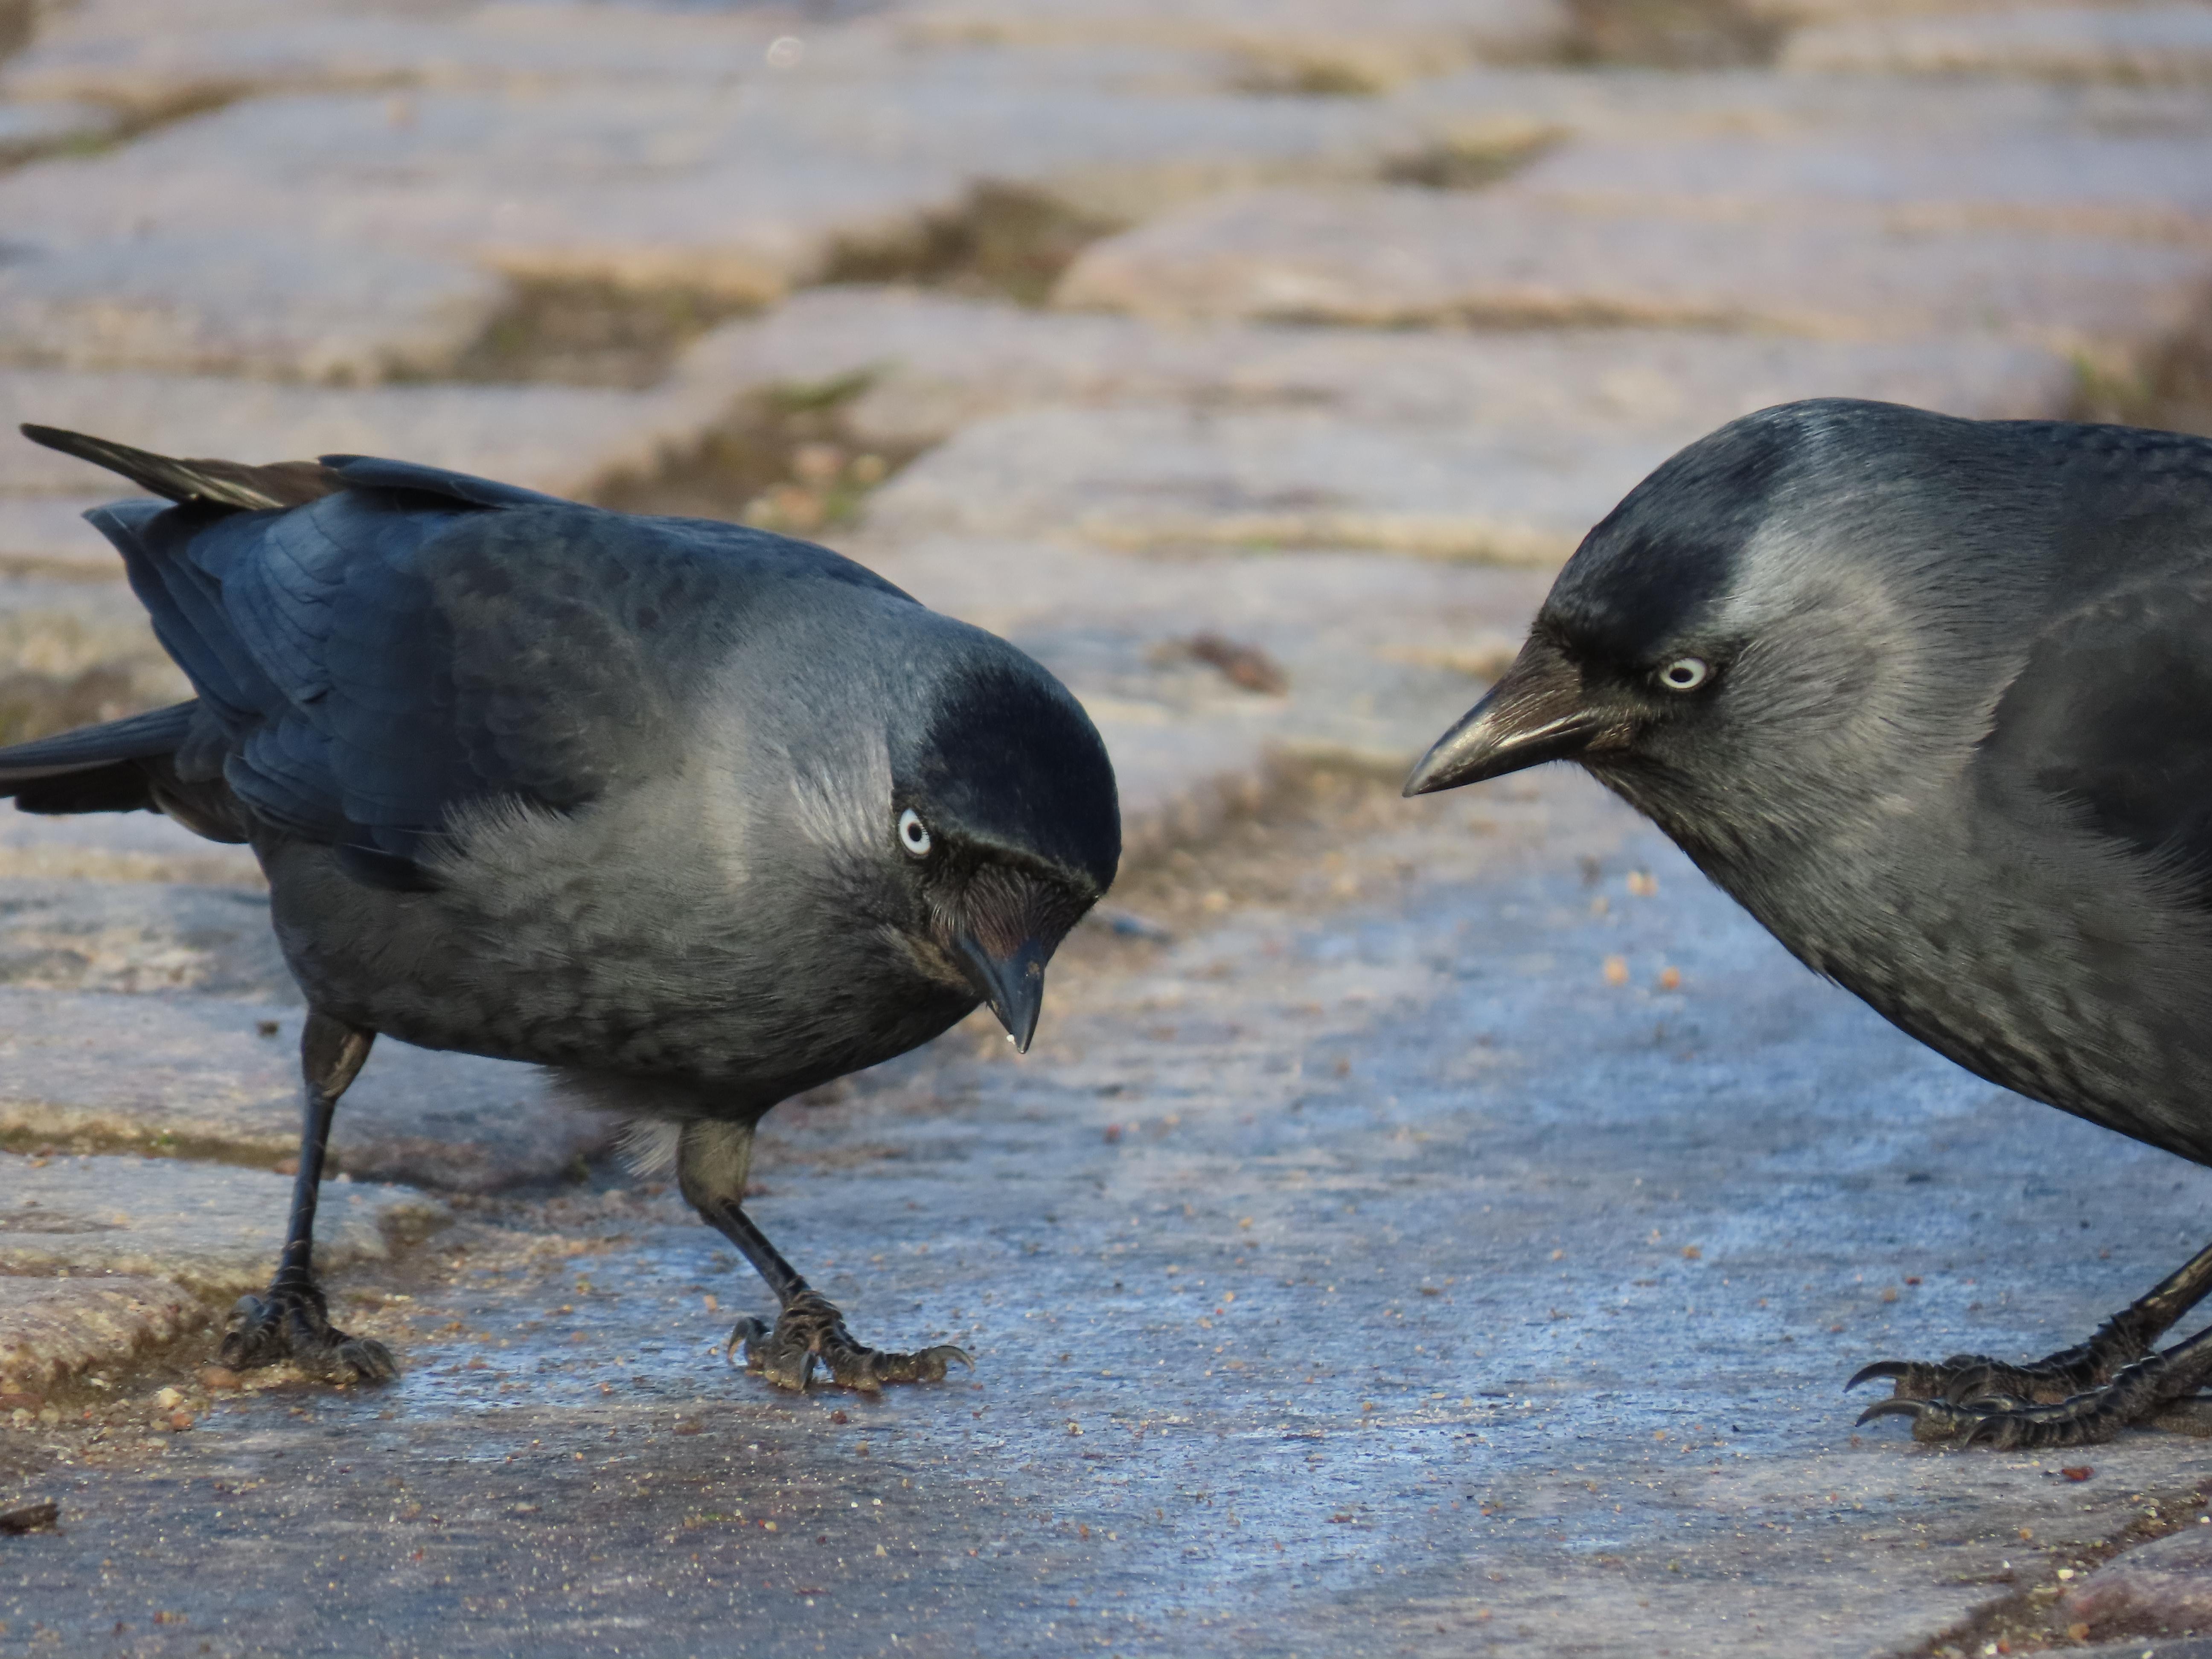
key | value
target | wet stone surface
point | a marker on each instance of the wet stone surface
(1382, 1280)
(52, 1330)
(219, 1077)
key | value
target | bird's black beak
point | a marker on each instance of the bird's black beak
(1013, 985)
(1536, 712)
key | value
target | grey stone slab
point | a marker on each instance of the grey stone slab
(1181, 778)
(214, 1231)
(2163, 1588)
(60, 626)
(2134, 45)
(125, 846)
(1803, 13)
(1367, 46)
(85, 645)
(46, 535)
(1626, 104)
(1831, 271)
(554, 438)
(741, 191)
(132, 55)
(29, 127)
(62, 934)
(197, 1073)
(2164, 1647)
(937, 363)
(1139, 476)
(252, 302)
(52, 1330)
(1501, 447)
(2155, 184)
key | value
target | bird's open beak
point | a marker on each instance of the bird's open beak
(1013, 985)
(1535, 713)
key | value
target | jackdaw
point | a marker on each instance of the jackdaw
(1928, 697)
(700, 817)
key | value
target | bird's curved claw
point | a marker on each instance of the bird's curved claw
(1879, 1368)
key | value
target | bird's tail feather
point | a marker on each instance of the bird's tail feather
(221, 483)
(129, 765)
(137, 736)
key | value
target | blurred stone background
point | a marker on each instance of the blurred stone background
(1251, 362)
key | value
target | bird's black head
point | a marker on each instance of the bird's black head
(1003, 824)
(1749, 616)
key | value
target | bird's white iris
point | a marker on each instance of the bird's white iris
(913, 833)
(1686, 673)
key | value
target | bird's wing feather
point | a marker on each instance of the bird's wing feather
(2110, 719)
(419, 639)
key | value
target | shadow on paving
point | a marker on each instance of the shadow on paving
(1389, 1281)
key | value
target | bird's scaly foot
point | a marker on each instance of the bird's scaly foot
(2119, 1342)
(811, 1331)
(2141, 1395)
(1967, 1376)
(293, 1322)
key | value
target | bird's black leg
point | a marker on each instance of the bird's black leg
(2126, 1337)
(292, 1322)
(712, 1166)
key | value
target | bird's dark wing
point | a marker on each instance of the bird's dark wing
(2109, 719)
(417, 640)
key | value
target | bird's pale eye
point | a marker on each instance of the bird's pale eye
(1686, 673)
(913, 833)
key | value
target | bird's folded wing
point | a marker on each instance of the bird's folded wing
(2110, 722)
(417, 640)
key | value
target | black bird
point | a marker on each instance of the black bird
(1932, 698)
(700, 817)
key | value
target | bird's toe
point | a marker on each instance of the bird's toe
(1966, 1377)
(871, 1368)
(1897, 1368)
(369, 1360)
(771, 1352)
(1932, 1420)
(2005, 1422)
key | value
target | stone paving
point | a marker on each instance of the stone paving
(1252, 362)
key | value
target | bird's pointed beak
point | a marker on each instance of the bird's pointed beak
(1535, 713)
(1013, 985)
